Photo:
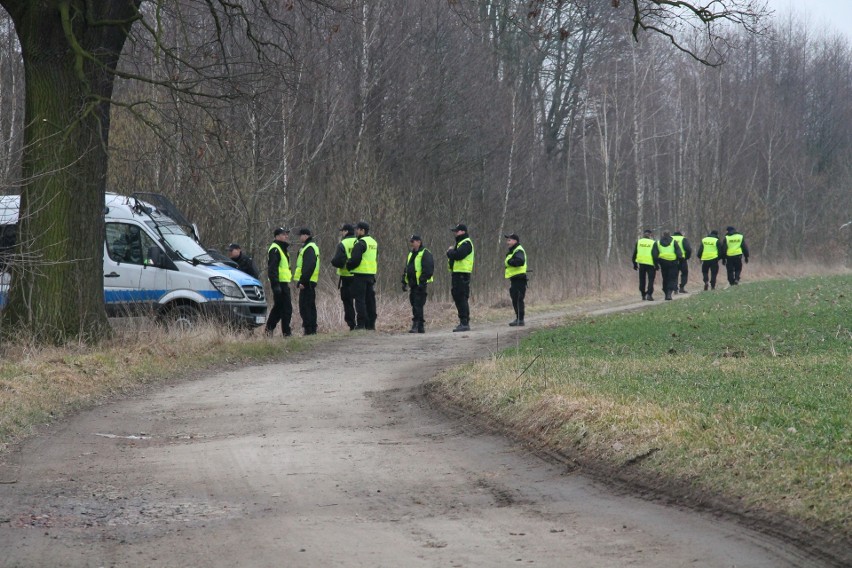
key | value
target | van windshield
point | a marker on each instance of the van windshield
(182, 243)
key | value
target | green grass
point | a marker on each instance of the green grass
(745, 392)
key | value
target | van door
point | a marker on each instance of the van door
(132, 284)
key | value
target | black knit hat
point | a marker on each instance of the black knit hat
(305, 231)
(348, 227)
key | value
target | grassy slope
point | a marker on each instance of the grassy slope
(745, 392)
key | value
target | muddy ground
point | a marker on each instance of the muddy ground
(335, 458)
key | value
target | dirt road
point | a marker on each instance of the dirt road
(332, 459)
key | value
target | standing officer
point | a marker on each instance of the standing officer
(307, 276)
(683, 268)
(278, 270)
(516, 273)
(341, 256)
(645, 259)
(669, 258)
(244, 261)
(736, 251)
(363, 264)
(709, 253)
(461, 265)
(419, 267)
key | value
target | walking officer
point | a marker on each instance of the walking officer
(341, 256)
(736, 252)
(363, 264)
(516, 273)
(278, 270)
(669, 258)
(307, 276)
(460, 262)
(683, 268)
(645, 259)
(419, 267)
(709, 253)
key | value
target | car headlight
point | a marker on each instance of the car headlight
(228, 288)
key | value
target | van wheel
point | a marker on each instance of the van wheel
(181, 318)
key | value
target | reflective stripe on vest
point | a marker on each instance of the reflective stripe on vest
(711, 248)
(315, 275)
(515, 270)
(348, 243)
(284, 274)
(465, 264)
(643, 251)
(667, 252)
(418, 267)
(733, 244)
(369, 260)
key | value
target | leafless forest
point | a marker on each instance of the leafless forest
(415, 115)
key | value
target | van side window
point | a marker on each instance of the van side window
(127, 243)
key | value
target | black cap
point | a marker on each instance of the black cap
(305, 231)
(413, 238)
(363, 225)
(731, 229)
(280, 230)
(678, 233)
(714, 232)
(648, 231)
(513, 236)
(234, 246)
(460, 227)
(347, 227)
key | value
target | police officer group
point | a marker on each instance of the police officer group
(670, 254)
(356, 262)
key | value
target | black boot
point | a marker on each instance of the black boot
(513, 323)
(649, 297)
(668, 294)
(463, 326)
(413, 328)
(421, 327)
(706, 286)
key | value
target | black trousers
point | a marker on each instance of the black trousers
(647, 273)
(669, 269)
(518, 291)
(282, 310)
(710, 268)
(417, 297)
(734, 266)
(308, 308)
(683, 268)
(348, 300)
(364, 294)
(461, 294)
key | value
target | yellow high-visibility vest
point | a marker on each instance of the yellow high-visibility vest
(733, 244)
(418, 267)
(644, 248)
(315, 275)
(348, 243)
(284, 274)
(515, 270)
(667, 252)
(465, 264)
(711, 248)
(369, 260)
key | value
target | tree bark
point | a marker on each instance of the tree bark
(70, 49)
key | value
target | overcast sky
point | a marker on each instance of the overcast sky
(821, 14)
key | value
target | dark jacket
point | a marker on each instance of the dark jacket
(273, 259)
(427, 267)
(245, 263)
(459, 252)
(339, 258)
(519, 258)
(309, 263)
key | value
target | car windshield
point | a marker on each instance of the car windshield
(181, 243)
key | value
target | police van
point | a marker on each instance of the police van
(155, 265)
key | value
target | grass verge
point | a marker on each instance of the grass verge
(744, 393)
(41, 385)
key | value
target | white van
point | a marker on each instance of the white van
(153, 265)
